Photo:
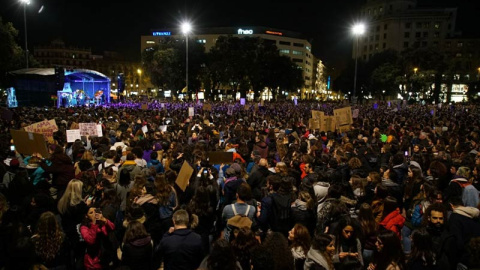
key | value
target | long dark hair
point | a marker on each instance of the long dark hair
(135, 230)
(320, 242)
(422, 248)
(366, 219)
(301, 238)
(281, 253)
(342, 241)
(391, 252)
(222, 256)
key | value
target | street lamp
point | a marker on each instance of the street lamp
(415, 70)
(186, 28)
(139, 71)
(25, 3)
(357, 30)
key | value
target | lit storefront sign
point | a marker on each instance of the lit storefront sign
(166, 33)
(241, 31)
(274, 33)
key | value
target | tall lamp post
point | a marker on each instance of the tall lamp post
(357, 30)
(139, 71)
(25, 3)
(186, 28)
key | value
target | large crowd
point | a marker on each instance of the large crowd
(398, 190)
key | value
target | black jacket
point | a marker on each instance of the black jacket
(138, 254)
(180, 250)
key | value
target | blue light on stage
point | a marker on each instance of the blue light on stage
(165, 33)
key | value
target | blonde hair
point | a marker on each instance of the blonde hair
(72, 195)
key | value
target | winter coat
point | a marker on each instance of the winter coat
(316, 261)
(62, 170)
(258, 180)
(91, 234)
(262, 149)
(137, 254)
(464, 225)
(181, 249)
(393, 222)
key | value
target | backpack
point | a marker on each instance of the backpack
(282, 220)
(235, 220)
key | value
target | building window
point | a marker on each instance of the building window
(150, 42)
(408, 25)
(437, 25)
(297, 60)
(371, 38)
(376, 47)
(384, 45)
(426, 25)
(377, 37)
(418, 34)
(385, 27)
(285, 51)
(297, 52)
(378, 28)
(298, 45)
(425, 34)
(435, 43)
(284, 43)
(416, 44)
(460, 44)
(385, 36)
(370, 47)
(424, 44)
(202, 41)
(436, 34)
(365, 48)
(406, 35)
(448, 44)
(419, 25)
(458, 55)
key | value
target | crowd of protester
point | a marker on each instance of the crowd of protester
(398, 190)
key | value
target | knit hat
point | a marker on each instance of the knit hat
(236, 167)
(239, 221)
(230, 172)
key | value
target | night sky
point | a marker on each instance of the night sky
(118, 25)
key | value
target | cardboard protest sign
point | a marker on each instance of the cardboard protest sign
(220, 157)
(317, 114)
(88, 129)
(207, 107)
(46, 127)
(144, 129)
(343, 118)
(184, 175)
(73, 135)
(144, 107)
(191, 111)
(99, 130)
(328, 124)
(28, 143)
(314, 123)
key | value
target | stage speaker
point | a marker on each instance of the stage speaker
(59, 78)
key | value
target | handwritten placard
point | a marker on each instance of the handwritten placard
(184, 175)
(88, 129)
(46, 127)
(343, 118)
(191, 111)
(73, 135)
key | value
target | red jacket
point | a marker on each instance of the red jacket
(89, 234)
(393, 222)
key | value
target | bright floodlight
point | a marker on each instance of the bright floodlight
(186, 27)
(27, 2)
(358, 29)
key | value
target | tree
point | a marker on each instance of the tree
(12, 56)
(165, 64)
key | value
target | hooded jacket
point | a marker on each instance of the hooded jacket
(393, 222)
(464, 225)
(316, 260)
(137, 254)
(262, 149)
(62, 169)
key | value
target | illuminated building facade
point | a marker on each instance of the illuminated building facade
(291, 44)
